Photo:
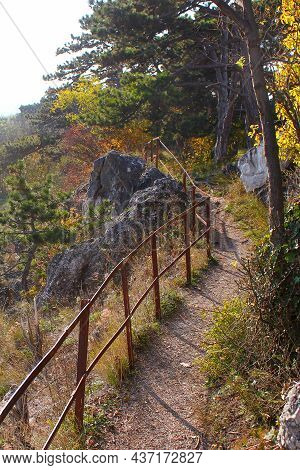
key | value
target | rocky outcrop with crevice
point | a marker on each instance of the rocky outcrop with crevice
(142, 198)
(289, 430)
(116, 177)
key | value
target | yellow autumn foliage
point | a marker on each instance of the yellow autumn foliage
(130, 138)
(82, 96)
(198, 153)
(287, 81)
(87, 104)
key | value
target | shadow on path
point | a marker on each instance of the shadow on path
(169, 409)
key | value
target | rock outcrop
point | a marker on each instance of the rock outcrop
(142, 199)
(253, 168)
(114, 178)
(289, 431)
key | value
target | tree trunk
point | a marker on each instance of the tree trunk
(222, 93)
(224, 128)
(249, 100)
(225, 101)
(228, 90)
(26, 271)
(249, 28)
(220, 149)
(276, 207)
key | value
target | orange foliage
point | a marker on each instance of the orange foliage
(131, 138)
(81, 142)
(88, 144)
(84, 144)
(73, 172)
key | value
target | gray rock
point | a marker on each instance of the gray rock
(147, 210)
(73, 271)
(115, 177)
(149, 177)
(253, 168)
(289, 430)
(150, 198)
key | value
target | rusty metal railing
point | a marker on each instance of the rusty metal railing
(152, 152)
(188, 217)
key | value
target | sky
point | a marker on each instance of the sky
(46, 25)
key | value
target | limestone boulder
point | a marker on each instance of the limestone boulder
(289, 430)
(253, 168)
(115, 178)
(143, 200)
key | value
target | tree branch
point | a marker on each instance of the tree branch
(231, 13)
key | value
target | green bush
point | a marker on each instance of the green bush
(171, 301)
(252, 347)
(273, 280)
(237, 366)
(11, 152)
(224, 351)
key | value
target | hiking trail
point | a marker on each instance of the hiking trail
(158, 406)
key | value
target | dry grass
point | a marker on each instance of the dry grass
(15, 356)
(45, 395)
(250, 213)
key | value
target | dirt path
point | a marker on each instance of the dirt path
(157, 409)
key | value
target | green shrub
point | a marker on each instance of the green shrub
(11, 152)
(252, 347)
(171, 300)
(273, 281)
(238, 370)
(224, 354)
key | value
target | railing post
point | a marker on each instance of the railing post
(125, 289)
(188, 252)
(207, 210)
(157, 154)
(145, 153)
(193, 197)
(151, 151)
(155, 276)
(82, 364)
(184, 181)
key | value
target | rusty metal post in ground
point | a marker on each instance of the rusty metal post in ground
(82, 364)
(151, 151)
(207, 216)
(193, 197)
(188, 249)
(145, 153)
(157, 153)
(155, 276)
(184, 181)
(124, 277)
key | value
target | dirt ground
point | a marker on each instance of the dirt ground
(158, 405)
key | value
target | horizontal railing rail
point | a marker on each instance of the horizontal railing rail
(152, 150)
(188, 217)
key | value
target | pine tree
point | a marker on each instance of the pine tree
(32, 218)
(162, 46)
